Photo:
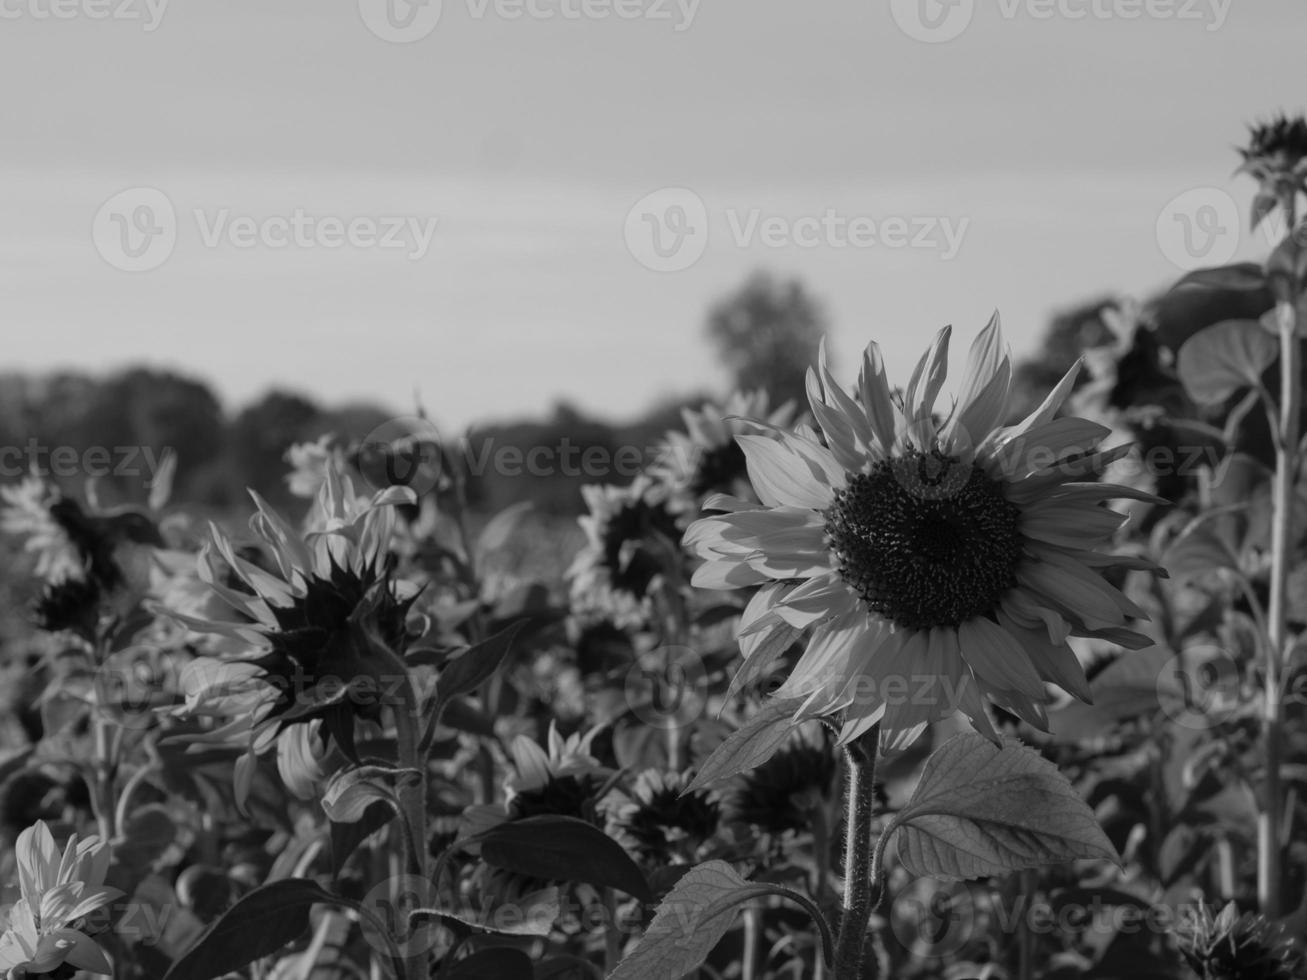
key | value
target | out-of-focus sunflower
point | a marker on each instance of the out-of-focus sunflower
(44, 929)
(562, 779)
(780, 795)
(657, 823)
(1230, 946)
(938, 562)
(1276, 156)
(90, 561)
(705, 459)
(310, 628)
(631, 540)
(309, 463)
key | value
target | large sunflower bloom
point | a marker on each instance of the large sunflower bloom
(308, 626)
(938, 562)
(58, 892)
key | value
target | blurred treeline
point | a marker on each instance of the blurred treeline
(765, 333)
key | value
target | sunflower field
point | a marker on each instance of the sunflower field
(853, 682)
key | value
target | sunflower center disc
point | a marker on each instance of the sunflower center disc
(925, 540)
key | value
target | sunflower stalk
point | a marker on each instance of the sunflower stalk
(1282, 545)
(861, 876)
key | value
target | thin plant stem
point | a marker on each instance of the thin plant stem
(859, 873)
(1269, 851)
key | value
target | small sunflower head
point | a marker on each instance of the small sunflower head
(705, 458)
(1229, 946)
(1276, 156)
(632, 540)
(780, 794)
(658, 824)
(566, 780)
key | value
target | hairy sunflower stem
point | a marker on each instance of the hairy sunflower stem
(860, 876)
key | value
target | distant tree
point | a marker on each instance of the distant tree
(261, 434)
(767, 334)
(144, 407)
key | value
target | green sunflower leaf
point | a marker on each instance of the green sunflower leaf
(352, 791)
(1225, 358)
(750, 745)
(555, 848)
(980, 810)
(694, 917)
(259, 925)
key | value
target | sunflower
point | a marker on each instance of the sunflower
(631, 541)
(44, 934)
(705, 459)
(937, 561)
(1276, 157)
(309, 624)
(780, 795)
(659, 822)
(1230, 946)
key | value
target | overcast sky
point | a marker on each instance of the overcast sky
(361, 201)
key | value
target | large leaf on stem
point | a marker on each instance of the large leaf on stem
(1225, 358)
(557, 848)
(259, 925)
(694, 917)
(981, 810)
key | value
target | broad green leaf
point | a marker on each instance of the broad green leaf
(1127, 688)
(352, 791)
(499, 963)
(346, 837)
(689, 922)
(555, 848)
(1198, 552)
(695, 915)
(476, 665)
(1240, 277)
(259, 925)
(1225, 358)
(981, 810)
(533, 914)
(751, 745)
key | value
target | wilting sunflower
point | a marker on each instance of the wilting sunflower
(44, 930)
(705, 459)
(309, 625)
(1276, 156)
(1230, 946)
(937, 561)
(631, 540)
